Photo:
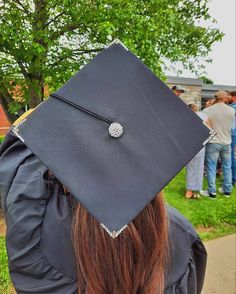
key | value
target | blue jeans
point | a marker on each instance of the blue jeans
(233, 145)
(213, 152)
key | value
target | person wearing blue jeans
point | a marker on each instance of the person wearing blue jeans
(233, 148)
(213, 152)
(221, 118)
(233, 134)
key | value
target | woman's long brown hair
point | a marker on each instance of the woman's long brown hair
(133, 263)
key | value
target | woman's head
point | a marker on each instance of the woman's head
(134, 262)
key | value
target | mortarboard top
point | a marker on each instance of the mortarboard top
(114, 173)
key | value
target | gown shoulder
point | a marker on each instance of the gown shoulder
(188, 256)
(37, 262)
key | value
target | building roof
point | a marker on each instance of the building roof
(207, 90)
(184, 81)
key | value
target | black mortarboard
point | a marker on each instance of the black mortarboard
(114, 173)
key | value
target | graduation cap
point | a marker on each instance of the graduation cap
(114, 135)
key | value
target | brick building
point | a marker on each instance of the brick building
(192, 87)
(4, 123)
(195, 90)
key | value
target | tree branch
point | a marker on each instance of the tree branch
(23, 69)
(6, 52)
(67, 28)
(77, 52)
(84, 51)
(22, 6)
(55, 18)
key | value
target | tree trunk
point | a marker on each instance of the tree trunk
(36, 80)
(35, 91)
(5, 99)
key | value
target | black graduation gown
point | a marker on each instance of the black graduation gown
(38, 217)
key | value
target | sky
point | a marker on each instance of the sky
(222, 70)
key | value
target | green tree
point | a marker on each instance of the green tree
(43, 42)
(206, 80)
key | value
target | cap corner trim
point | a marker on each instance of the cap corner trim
(118, 42)
(113, 234)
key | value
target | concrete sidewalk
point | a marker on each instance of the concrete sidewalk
(220, 275)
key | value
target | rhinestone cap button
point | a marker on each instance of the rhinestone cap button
(115, 130)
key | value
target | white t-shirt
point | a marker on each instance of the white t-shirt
(202, 115)
(221, 117)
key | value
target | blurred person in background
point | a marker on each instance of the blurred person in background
(221, 117)
(178, 90)
(209, 102)
(228, 100)
(233, 136)
(195, 168)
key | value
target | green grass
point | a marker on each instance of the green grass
(211, 218)
(1, 138)
(5, 283)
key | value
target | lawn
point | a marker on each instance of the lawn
(5, 284)
(211, 218)
(1, 138)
